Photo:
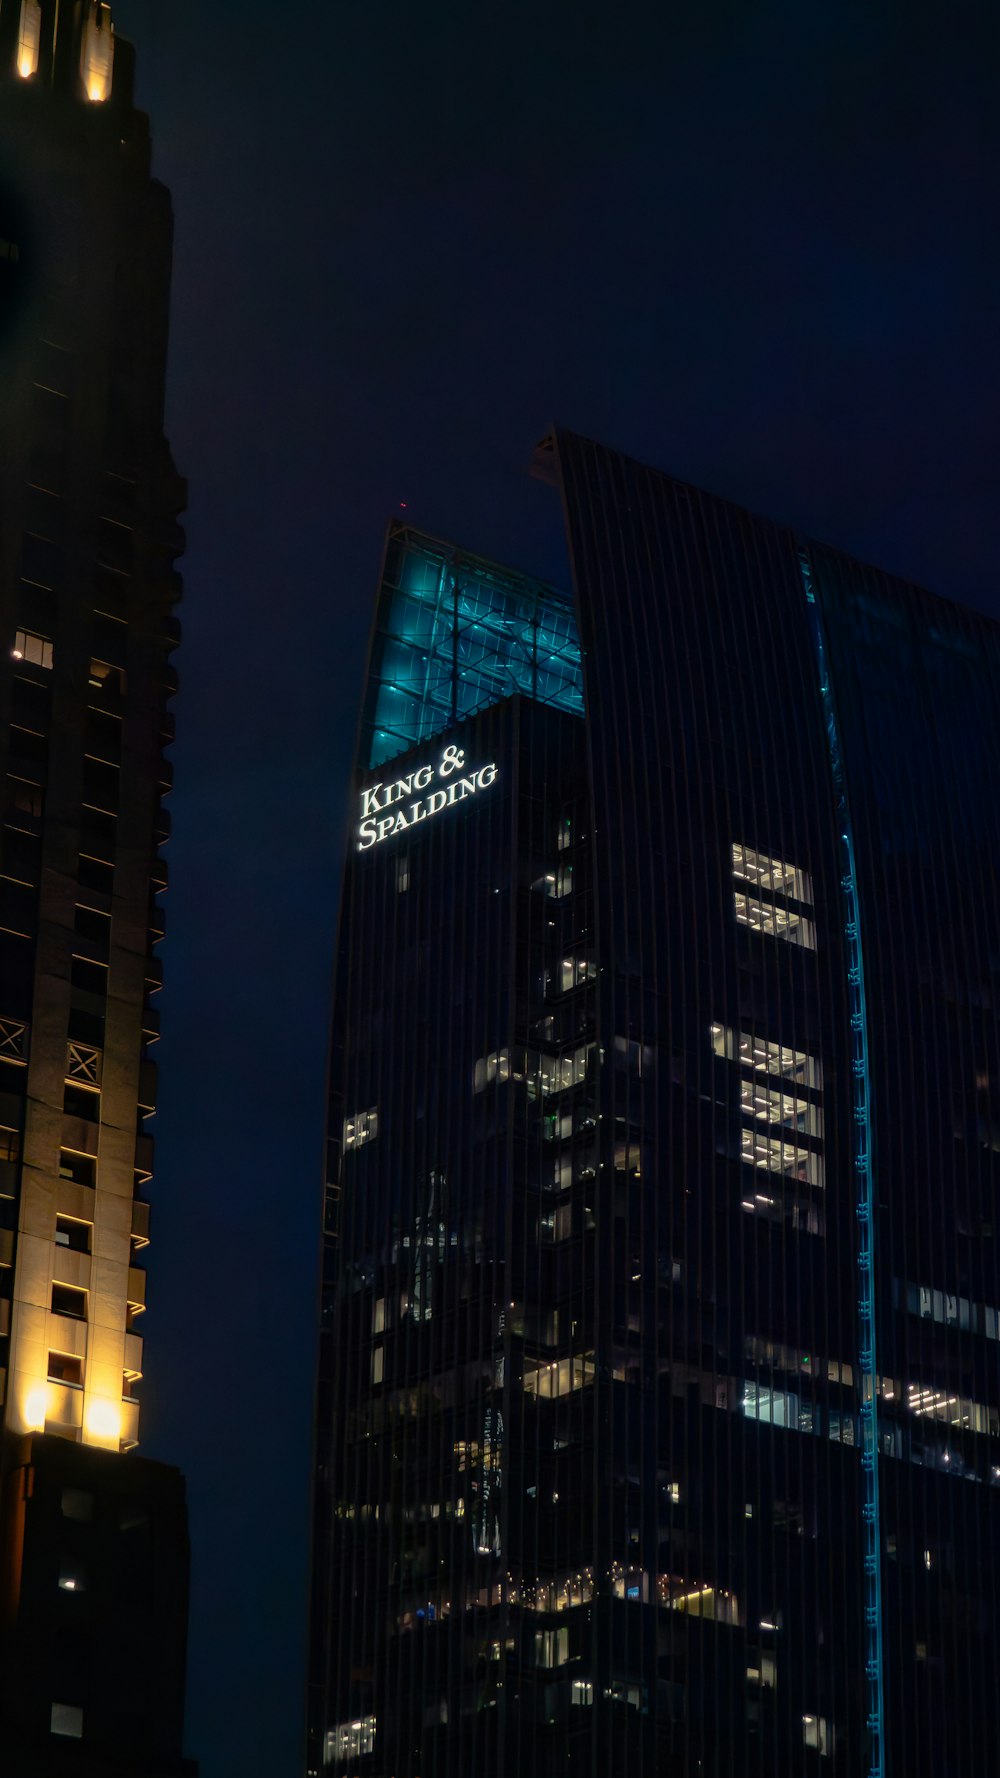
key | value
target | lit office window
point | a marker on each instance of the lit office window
(552, 1647)
(775, 921)
(771, 874)
(30, 647)
(697, 1599)
(818, 1732)
(764, 1056)
(556, 883)
(557, 1126)
(67, 1719)
(561, 1377)
(931, 1403)
(557, 1073)
(768, 1106)
(105, 677)
(569, 973)
(561, 1594)
(841, 1428)
(776, 1356)
(562, 1168)
(629, 1583)
(582, 1691)
(782, 1126)
(556, 1225)
(361, 1128)
(766, 891)
(495, 1066)
(777, 1154)
(349, 1740)
(777, 1407)
(620, 1692)
(950, 1311)
(763, 1671)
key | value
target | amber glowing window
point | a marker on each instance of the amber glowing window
(697, 1598)
(33, 648)
(106, 677)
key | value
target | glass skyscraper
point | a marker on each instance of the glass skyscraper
(659, 1403)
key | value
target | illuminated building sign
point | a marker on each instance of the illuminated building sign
(382, 810)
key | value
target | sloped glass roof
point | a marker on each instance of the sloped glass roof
(456, 634)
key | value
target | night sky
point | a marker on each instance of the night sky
(754, 245)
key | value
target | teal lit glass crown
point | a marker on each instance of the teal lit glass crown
(455, 634)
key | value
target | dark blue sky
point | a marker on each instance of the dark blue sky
(754, 245)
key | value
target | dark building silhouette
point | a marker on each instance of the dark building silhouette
(93, 1571)
(659, 1409)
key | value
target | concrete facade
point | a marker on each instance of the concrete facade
(89, 499)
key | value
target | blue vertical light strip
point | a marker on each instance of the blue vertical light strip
(865, 1186)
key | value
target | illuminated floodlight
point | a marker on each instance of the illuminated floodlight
(36, 1407)
(104, 1420)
